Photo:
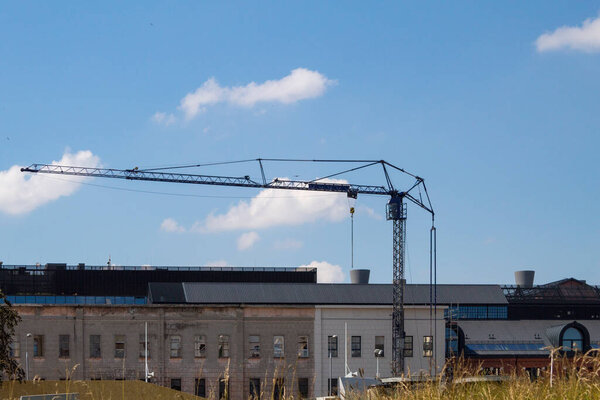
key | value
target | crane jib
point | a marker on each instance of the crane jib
(396, 212)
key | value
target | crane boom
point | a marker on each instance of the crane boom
(245, 181)
(395, 212)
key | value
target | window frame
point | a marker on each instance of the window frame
(254, 395)
(38, 346)
(254, 346)
(200, 383)
(427, 346)
(223, 346)
(303, 383)
(332, 346)
(278, 351)
(61, 349)
(408, 351)
(199, 346)
(356, 346)
(303, 349)
(175, 346)
(98, 346)
(120, 341)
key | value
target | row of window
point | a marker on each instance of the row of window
(476, 312)
(254, 386)
(175, 346)
(254, 346)
(356, 346)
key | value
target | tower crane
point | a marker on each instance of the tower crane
(395, 209)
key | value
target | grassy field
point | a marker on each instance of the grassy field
(94, 390)
(577, 378)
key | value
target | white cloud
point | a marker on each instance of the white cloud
(273, 207)
(247, 240)
(288, 244)
(326, 272)
(300, 84)
(165, 119)
(583, 38)
(21, 192)
(170, 225)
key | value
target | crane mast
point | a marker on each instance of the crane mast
(395, 209)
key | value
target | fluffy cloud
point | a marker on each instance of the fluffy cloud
(273, 207)
(300, 84)
(583, 38)
(327, 273)
(247, 240)
(162, 118)
(170, 225)
(21, 193)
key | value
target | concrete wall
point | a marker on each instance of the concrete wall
(368, 322)
(79, 322)
(165, 321)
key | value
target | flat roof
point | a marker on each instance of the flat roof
(318, 294)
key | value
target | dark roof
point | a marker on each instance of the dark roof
(166, 292)
(325, 294)
(570, 290)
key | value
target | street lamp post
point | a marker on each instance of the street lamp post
(27, 356)
(378, 353)
(330, 344)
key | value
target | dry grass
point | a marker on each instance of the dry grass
(576, 378)
(94, 390)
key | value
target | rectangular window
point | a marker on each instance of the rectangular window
(303, 346)
(119, 346)
(200, 387)
(144, 346)
(254, 345)
(408, 346)
(427, 346)
(175, 346)
(356, 346)
(278, 346)
(63, 346)
(176, 384)
(254, 388)
(379, 346)
(38, 345)
(95, 346)
(15, 349)
(279, 389)
(332, 346)
(199, 346)
(223, 346)
(332, 384)
(303, 388)
(223, 389)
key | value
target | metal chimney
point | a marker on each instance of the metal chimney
(524, 279)
(359, 276)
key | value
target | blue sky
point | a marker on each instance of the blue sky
(494, 104)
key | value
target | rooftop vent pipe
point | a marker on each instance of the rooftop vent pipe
(359, 276)
(524, 279)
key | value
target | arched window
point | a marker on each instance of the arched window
(572, 340)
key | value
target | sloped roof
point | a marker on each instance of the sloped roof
(322, 294)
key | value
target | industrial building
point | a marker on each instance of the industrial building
(239, 331)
